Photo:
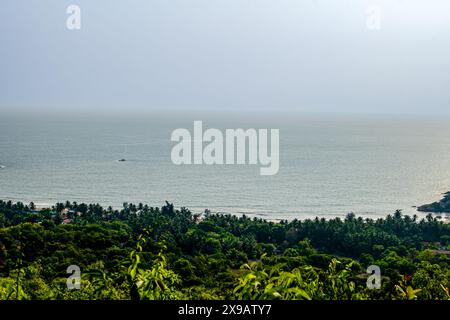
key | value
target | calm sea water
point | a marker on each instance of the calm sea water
(329, 165)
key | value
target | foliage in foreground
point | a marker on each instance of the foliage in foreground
(141, 253)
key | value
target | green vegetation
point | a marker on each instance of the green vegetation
(437, 207)
(141, 252)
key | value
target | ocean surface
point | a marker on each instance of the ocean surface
(330, 165)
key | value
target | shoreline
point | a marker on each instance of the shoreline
(444, 217)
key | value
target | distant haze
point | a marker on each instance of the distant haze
(218, 55)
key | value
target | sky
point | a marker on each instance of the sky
(219, 55)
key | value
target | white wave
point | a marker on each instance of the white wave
(2, 167)
(42, 205)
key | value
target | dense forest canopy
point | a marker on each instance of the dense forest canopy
(142, 252)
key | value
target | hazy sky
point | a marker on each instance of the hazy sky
(303, 55)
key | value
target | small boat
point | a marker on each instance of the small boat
(121, 160)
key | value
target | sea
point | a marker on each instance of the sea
(330, 164)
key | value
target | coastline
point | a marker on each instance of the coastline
(444, 217)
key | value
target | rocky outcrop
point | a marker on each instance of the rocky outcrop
(437, 207)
